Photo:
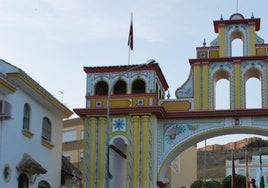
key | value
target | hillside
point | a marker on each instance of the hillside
(215, 161)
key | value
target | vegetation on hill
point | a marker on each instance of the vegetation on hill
(257, 144)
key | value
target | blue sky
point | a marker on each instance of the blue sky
(52, 40)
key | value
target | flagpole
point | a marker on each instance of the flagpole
(247, 170)
(130, 38)
(128, 61)
(262, 184)
(233, 184)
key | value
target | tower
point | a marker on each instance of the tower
(217, 62)
(121, 110)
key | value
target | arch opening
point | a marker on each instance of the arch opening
(101, 88)
(253, 94)
(237, 44)
(120, 87)
(118, 162)
(193, 140)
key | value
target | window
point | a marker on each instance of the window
(101, 88)
(138, 86)
(69, 135)
(120, 87)
(26, 117)
(43, 184)
(82, 134)
(46, 130)
(81, 156)
(23, 181)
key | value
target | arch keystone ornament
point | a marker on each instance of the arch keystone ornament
(135, 143)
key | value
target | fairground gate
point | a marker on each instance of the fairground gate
(132, 133)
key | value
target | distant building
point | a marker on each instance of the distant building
(254, 168)
(30, 131)
(73, 141)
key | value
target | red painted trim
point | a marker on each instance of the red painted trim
(161, 113)
(219, 23)
(117, 150)
(224, 59)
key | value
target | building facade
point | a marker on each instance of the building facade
(30, 131)
(133, 133)
(73, 141)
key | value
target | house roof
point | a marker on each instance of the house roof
(17, 77)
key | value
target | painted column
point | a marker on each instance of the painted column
(92, 159)
(102, 156)
(86, 152)
(145, 151)
(252, 32)
(136, 143)
(205, 86)
(222, 40)
(197, 98)
(237, 88)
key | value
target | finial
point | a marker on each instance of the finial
(168, 95)
(204, 43)
(252, 16)
(221, 17)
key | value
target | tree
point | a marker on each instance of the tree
(240, 181)
(257, 144)
(209, 184)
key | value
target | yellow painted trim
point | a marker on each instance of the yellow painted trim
(66, 112)
(92, 158)
(47, 144)
(237, 86)
(102, 155)
(205, 87)
(197, 87)
(7, 85)
(145, 149)
(252, 49)
(27, 133)
(222, 41)
(136, 134)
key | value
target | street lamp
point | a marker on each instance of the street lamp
(107, 130)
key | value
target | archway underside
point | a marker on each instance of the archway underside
(200, 136)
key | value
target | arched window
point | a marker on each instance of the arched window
(26, 117)
(120, 87)
(237, 43)
(222, 94)
(23, 181)
(237, 47)
(221, 90)
(118, 163)
(138, 86)
(43, 184)
(253, 88)
(253, 93)
(46, 130)
(101, 88)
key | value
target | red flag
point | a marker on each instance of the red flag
(247, 170)
(233, 172)
(130, 36)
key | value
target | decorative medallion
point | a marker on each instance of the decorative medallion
(119, 124)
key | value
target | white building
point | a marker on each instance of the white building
(254, 168)
(30, 132)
